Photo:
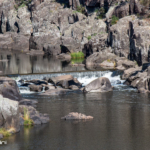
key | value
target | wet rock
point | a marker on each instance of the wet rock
(67, 83)
(118, 82)
(74, 87)
(127, 73)
(49, 87)
(37, 117)
(37, 82)
(55, 80)
(59, 91)
(64, 57)
(76, 115)
(1, 136)
(36, 88)
(101, 84)
(9, 89)
(28, 102)
(9, 109)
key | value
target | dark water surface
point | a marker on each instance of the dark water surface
(20, 63)
(121, 122)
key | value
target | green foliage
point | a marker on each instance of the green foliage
(27, 120)
(21, 3)
(108, 60)
(94, 34)
(77, 55)
(4, 132)
(80, 9)
(114, 20)
(80, 60)
(89, 37)
(100, 13)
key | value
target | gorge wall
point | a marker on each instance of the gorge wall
(69, 26)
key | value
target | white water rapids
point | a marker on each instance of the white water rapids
(83, 77)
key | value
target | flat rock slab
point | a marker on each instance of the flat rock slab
(76, 115)
(55, 80)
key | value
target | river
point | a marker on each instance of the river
(121, 117)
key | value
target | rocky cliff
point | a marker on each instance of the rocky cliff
(90, 26)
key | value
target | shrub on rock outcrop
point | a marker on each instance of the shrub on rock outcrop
(27, 120)
(114, 20)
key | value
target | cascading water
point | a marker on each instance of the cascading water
(83, 77)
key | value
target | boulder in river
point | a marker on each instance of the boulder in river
(101, 84)
(36, 88)
(9, 114)
(9, 89)
(76, 115)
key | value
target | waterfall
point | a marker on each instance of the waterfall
(83, 77)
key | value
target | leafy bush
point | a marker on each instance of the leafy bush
(114, 20)
(100, 13)
(4, 132)
(76, 60)
(89, 37)
(80, 9)
(77, 55)
(27, 120)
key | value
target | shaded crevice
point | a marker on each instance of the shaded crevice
(16, 24)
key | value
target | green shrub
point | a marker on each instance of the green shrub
(77, 55)
(114, 20)
(80, 9)
(27, 120)
(100, 13)
(4, 132)
(76, 60)
(89, 37)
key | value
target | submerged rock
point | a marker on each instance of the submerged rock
(36, 88)
(101, 84)
(76, 115)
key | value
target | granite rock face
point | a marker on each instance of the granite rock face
(101, 84)
(130, 38)
(9, 113)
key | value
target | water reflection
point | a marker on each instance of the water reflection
(121, 121)
(19, 63)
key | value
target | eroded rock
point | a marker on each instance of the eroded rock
(76, 115)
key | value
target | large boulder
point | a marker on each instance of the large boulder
(58, 79)
(101, 84)
(9, 114)
(35, 88)
(130, 38)
(98, 57)
(14, 41)
(9, 89)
